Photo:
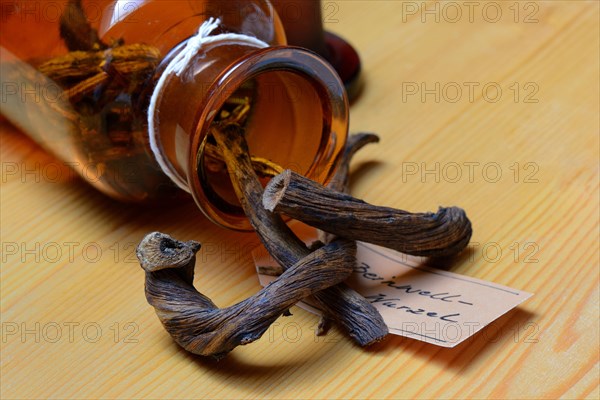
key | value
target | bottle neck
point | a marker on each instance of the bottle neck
(193, 66)
(298, 118)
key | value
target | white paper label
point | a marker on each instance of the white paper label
(419, 302)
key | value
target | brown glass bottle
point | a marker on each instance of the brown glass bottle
(87, 101)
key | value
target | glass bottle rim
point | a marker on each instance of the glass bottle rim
(305, 64)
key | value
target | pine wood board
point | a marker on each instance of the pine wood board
(544, 220)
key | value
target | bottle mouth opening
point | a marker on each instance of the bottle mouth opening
(298, 119)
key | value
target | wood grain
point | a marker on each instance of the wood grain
(537, 230)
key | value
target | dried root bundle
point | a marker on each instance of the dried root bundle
(200, 327)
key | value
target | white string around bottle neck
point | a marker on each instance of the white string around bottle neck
(176, 67)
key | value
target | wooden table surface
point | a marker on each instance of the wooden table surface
(493, 109)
